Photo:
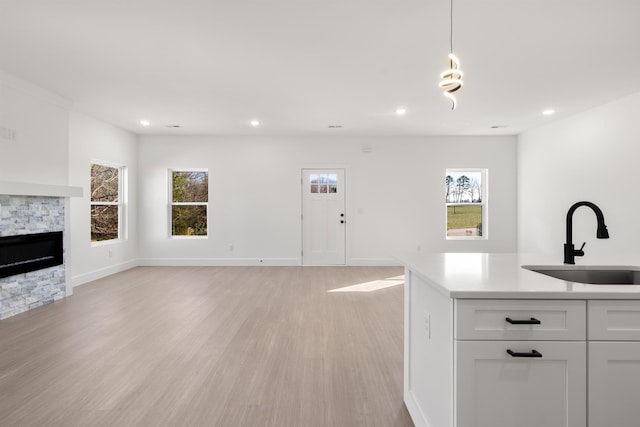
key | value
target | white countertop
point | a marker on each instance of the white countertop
(500, 275)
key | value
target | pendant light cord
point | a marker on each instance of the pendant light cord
(452, 78)
(451, 29)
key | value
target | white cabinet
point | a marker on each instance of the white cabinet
(520, 363)
(466, 361)
(614, 384)
(614, 363)
(540, 320)
(614, 320)
(459, 373)
(494, 389)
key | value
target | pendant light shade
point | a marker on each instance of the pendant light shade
(452, 79)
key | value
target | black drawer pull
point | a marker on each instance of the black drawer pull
(533, 353)
(532, 321)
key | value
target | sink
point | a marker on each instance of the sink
(603, 275)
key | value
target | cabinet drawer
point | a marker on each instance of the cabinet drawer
(614, 320)
(495, 389)
(530, 320)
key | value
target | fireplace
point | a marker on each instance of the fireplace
(30, 252)
(32, 217)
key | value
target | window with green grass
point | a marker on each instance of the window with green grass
(189, 203)
(466, 201)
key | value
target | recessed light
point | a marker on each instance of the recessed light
(335, 126)
(145, 122)
(549, 112)
(255, 123)
(498, 126)
(173, 126)
(401, 111)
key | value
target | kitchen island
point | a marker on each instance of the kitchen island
(491, 344)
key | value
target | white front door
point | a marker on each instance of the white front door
(323, 217)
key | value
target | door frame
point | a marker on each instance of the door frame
(347, 207)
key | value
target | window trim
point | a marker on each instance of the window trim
(171, 203)
(484, 185)
(121, 203)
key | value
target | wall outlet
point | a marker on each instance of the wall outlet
(231, 247)
(427, 324)
(8, 134)
(110, 253)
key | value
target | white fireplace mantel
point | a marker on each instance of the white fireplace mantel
(30, 189)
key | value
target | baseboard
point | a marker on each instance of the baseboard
(374, 262)
(414, 409)
(81, 279)
(217, 262)
(230, 262)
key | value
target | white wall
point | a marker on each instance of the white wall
(93, 140)
(590, 156)
(395, 195)
(34, 140)
(39, 153)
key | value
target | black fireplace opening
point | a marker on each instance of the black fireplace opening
(29, 252)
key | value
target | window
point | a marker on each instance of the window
(323, 183)
(107, 205)
(189, 202)
(466, 200)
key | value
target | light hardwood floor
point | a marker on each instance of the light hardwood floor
(209, 346)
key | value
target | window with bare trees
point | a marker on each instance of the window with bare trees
(323, 183)
(466, 200)
(189, 202)
(106, 202)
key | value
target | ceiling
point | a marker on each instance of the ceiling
(301, 66)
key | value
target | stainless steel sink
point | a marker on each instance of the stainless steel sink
(594, 275)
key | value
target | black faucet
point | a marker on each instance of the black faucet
(569, 251)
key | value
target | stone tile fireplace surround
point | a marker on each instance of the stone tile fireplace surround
(35, 209)
(28, 215)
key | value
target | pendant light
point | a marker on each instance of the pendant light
(451, 78)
